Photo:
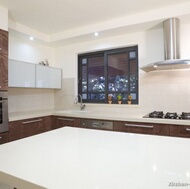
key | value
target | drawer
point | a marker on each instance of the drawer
(60, 121)
(180, 131)
(142, 128)
(96, 124)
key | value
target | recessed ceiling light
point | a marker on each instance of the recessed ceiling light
(96, 34)
(31, 38)
(155, 66)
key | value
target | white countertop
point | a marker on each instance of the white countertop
(95, 115)
(118, 117)
(76, 158)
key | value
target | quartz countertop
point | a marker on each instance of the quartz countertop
(77, 158)
(118, 117)
(96, 115)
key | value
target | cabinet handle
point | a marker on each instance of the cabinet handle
(187, 129)
(65, 119)
(1, 101)
(32, 121)
(0, 138)
(136, 125)
(0, 49)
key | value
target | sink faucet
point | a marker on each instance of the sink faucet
(82, 106)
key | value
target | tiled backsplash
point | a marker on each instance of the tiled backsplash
(23, 100)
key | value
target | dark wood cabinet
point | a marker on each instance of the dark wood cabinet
(180, 131)
(28, 127)
(4, 137)
(142, 128)
(3, 60)
(61, 121)
(3, 42)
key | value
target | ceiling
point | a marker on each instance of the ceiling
(55, 16)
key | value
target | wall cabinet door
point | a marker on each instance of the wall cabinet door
(21, 74)
(3, 72)
(48, 77)
(3, 42)
(28, 127)
(180, 131)
(28, 75)
(60, 121)
(142, 128)
(3, 60)
(55, 78)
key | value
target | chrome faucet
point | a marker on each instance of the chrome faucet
(82, 106)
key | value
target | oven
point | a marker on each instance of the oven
(3, 111)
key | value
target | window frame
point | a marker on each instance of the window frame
(105, 54)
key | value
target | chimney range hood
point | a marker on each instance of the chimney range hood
(171, 49)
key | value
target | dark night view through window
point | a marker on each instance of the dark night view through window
(110, 72)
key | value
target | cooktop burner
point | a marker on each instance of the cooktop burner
(168, 115)
(185, 115)
(156, 114)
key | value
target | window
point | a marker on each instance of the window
(110, 72)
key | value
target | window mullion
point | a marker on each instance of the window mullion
(106, 76)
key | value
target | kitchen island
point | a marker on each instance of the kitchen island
(77, 158)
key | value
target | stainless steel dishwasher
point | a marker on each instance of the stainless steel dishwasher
(97, 124)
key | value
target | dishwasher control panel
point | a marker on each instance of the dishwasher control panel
(97, 124)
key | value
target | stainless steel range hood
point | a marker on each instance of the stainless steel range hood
(171, 29)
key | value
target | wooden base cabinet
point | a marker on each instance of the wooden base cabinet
(180, 131)
(4, 137)
(61, 121)
(142, 128)
(28, 127)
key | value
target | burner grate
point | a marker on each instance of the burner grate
(170, 115)
(156, 114)
(185, 115)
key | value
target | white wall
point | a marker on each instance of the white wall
(22, 99)
(162, 90)
(150, 49)
(29, 51)
(3, 18)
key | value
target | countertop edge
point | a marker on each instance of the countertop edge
(103, 116)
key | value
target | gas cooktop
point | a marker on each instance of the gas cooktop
(168, 115)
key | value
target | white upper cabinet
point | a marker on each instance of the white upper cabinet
(55, 78)
(42, 77)
(48, 77)
(21, 74)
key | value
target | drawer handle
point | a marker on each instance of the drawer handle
(2, 101)
(187, 129)
(136, 125)
(0, 137)
(32, 121)
(65, 119)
